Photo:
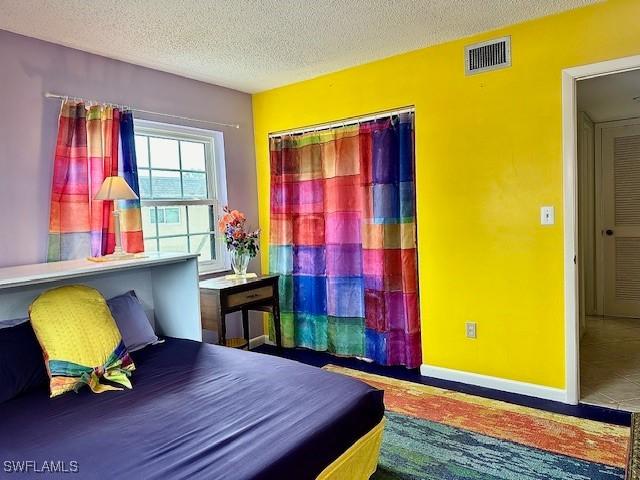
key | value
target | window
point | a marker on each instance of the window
(165, 215)
(181, 175)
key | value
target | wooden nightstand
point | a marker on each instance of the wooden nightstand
(220, 296)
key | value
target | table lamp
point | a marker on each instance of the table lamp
(116, 188)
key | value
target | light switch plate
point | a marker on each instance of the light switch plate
(471, 329)
(547, 216)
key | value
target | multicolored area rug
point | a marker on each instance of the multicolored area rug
(436, 434)
(633, 465)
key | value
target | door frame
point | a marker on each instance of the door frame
(570, 77)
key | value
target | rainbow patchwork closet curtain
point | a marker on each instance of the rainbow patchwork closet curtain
(86, 153)
(343, 239)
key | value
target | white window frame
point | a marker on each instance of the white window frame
(216, 180)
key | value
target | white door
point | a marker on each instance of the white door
(619, 204)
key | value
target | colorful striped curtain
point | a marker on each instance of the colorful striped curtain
(103, 133)
(130, 214)
(86, 153)
(343, 240)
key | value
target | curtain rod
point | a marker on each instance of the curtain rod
(345, 122)
(129, 107)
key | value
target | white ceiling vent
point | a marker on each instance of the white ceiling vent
(486, 56)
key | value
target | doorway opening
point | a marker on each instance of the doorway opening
(608, 238)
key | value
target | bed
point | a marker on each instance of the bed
(196, 411)
(202, 411)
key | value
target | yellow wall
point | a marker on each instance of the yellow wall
(488, 154)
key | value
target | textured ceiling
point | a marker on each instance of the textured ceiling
(610, 97)
(254, 45)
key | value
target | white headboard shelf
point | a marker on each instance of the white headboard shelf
(165, 283)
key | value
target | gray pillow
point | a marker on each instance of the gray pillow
(132, 322)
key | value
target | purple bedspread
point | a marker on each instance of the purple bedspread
(196, 411)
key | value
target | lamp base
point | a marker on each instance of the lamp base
(113, 257)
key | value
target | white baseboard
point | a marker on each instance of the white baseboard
(257, 341)
(495, 383)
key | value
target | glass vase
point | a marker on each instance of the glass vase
(239, 262)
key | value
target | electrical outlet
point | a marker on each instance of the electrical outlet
(471, 329)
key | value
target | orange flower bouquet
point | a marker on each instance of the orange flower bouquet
(242, 244)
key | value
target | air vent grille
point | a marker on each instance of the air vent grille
(486, 56)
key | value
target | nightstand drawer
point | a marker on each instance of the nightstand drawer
(249, 296)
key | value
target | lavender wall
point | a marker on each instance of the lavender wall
(28, 125)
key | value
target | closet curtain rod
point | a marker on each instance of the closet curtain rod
(345, 122)
(134, 109)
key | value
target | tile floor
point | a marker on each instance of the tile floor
(610, 363)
